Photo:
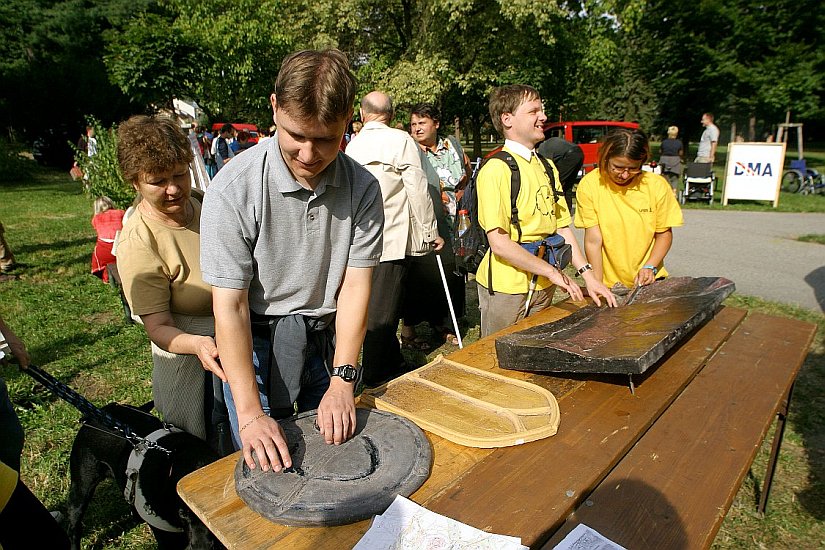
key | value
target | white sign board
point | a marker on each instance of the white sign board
(754, 171)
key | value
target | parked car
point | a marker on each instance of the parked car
(587, 134)
(251, 128)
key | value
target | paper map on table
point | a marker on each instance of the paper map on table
(407, 526)
(586, 538)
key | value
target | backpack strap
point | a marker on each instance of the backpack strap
(515, 186)
(550, 174)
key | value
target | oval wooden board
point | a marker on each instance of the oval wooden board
(468, 406)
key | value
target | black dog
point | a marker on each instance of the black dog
(98, 451)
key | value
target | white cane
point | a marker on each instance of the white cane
(449, 300)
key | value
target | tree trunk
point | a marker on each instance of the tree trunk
(752, 128)
(475, 122)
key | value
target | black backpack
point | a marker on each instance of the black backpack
(474, 240)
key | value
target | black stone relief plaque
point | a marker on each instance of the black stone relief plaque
(627, 339)
(339, 484)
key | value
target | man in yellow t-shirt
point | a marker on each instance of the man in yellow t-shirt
(518, 115)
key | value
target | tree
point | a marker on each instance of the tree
(450, 53)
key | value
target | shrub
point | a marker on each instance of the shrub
(102, 177)
(13, 167)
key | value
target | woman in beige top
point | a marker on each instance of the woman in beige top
(158, 259)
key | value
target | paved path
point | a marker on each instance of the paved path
(756, 250)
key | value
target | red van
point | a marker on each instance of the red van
(587, 134)
(251, 128)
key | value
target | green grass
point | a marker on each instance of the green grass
(812, 238)
(73, 326)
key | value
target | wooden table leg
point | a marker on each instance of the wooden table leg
(782, 416)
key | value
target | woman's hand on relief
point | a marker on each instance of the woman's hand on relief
(596, 288)
(644, 277)
(207, 352)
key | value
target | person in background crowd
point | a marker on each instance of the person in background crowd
(626, 213)
(88, 142)
(392, 156)
(671, 157)
(7, 262)
(243, 141)
(220, 147)
(107, 221)
(708, 141)
(568, 159)
(158, 260)
(425, 299)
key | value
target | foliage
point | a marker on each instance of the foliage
(13, 167)
(151, 61)
(812, 238)
(101, 172)
(739, 58)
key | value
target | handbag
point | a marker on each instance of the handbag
(76, 173)
(558, 252)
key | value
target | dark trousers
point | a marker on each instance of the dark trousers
(25, 523)
(382, 357)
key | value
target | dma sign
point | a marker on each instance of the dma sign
(754, 172)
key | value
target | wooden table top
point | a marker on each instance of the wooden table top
(526, 491)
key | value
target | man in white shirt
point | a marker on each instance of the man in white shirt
(392, 156)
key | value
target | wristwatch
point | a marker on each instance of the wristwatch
(586, 267)
(653, 268)
(347, 373)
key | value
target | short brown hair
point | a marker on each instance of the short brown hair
(506, 99)
(149, 145)
(316, 85)
(623, 142)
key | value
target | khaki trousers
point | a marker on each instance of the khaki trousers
(502, 310)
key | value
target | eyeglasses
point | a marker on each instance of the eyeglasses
(620, 170)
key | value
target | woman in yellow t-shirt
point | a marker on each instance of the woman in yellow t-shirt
(627, 213)
(158, 257)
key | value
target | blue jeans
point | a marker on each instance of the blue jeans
(314, 382)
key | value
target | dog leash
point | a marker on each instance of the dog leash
(88, 409)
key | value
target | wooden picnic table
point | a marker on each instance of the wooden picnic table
(656, 469)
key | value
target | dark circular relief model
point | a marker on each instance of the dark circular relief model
(339, 484)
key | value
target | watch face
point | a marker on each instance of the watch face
(347, 372)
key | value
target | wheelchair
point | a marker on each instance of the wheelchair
(699, 182)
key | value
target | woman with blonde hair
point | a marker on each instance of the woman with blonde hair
(670, 159)
(159, 263)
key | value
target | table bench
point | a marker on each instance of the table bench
(673, 488)
(531, 490)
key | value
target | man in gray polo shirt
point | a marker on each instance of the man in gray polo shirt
(290, 232)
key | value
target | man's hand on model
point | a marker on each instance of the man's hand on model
(336, 413)
(264, 435)
(563, 282)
